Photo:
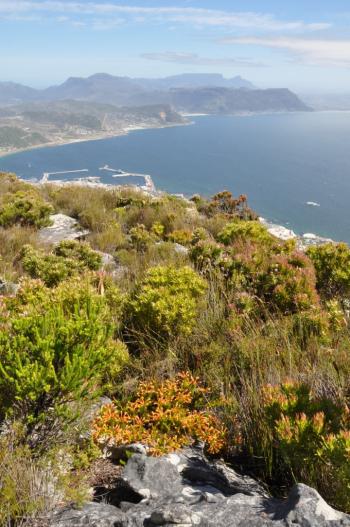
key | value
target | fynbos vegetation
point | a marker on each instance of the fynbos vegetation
(201, 327)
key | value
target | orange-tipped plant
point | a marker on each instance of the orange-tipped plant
(165, 417)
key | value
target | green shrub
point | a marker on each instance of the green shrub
(57, 348)
(288, 283)
(311, 324)
(67, 259)
(246, 231)
(182, 236)
(309, 440)
(141, 238)
(166, 301)
(24, 208)
(332, 265)
(158, 229)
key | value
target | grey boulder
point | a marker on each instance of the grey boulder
(62, 228)
(184, 489)
(91, 515)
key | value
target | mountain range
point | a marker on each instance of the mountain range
(192, 93)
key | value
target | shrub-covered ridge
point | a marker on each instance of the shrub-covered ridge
(232, 338)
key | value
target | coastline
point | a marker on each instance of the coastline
(125, 131)
(97, 137)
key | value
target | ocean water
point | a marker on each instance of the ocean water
(295, 168)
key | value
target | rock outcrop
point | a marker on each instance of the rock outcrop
(185, 489)
(62, 228)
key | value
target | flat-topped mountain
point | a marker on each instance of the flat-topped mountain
(229, 101)
(207, 93)
(196, 80)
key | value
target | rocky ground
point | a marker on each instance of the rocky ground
(185, 489)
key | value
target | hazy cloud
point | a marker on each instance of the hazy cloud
(312, 51)
(188, 15)
(197, 60)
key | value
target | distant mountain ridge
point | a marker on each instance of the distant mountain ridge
(206, 93)
(13, 93)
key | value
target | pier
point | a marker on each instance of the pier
(148, 186)
(118, 173)
(46, 175)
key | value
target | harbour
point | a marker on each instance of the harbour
(147, 186)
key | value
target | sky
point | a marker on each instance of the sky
(302, 44)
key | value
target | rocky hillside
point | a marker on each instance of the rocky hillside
(186, 489)
(38, 123)
(168, 361)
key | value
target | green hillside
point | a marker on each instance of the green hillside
(196, 322)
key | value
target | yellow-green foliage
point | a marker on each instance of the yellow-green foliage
(24, 208)
(67, 258)
(246, 231)
(332, 265)
(141, 238)
(182, 236)
(246, 317)
(57, 347)
(22, 204)
(164, 416)
(165, 302)
(309, 439)
(12, 240)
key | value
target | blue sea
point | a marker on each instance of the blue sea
(295, 168)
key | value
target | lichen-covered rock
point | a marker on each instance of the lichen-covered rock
(185, 489)
(91, 515)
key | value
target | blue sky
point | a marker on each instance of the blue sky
(303, 45)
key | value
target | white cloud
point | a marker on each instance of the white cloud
(314, 51)
(195, 16)
(197, 60)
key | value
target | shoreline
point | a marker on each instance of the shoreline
(129, 129)
(98, 137)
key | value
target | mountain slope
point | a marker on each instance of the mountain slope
(12, 93)
(195, 80)
(203, 93)
(228, 101)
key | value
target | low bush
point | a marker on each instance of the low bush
(309, 438)
(12, 241)
(165, 303)
(141, 238)
(57, 349)
(245, 231)
(288, 284)
(225, 203)
(182, 236)
(67, 259)
(24, 208)
(164, 416)
(332, 266)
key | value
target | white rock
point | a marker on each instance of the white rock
(63, 228)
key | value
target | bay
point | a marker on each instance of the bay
(295, 168)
